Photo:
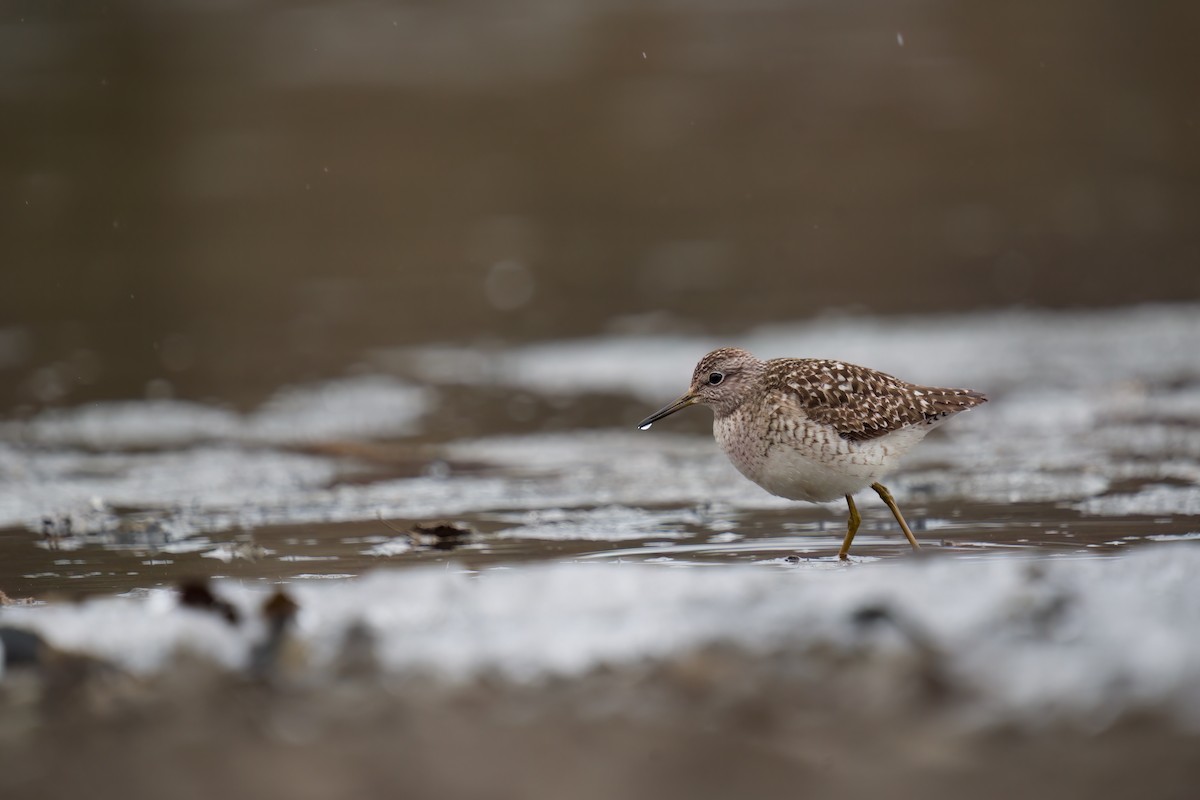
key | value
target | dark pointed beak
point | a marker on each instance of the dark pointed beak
(683, 402)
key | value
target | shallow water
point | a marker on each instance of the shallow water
(1088, 447)
(782, 539)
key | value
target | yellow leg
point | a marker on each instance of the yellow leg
(886, 496)
(851, 529)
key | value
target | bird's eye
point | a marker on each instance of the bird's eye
(715, 378)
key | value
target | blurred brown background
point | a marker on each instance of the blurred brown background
(209, 198)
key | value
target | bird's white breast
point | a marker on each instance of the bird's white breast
(807, 461)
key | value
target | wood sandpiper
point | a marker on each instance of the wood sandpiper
(812, 429)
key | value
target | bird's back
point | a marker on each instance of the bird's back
(859, 403)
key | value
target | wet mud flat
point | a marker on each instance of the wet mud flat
(1058, 679)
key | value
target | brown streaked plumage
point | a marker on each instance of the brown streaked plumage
(815, 429)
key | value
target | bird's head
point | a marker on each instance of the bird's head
(721, 381)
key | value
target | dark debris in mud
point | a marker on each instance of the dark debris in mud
(197, 593)
(435, 535)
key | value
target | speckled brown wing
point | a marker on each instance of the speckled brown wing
(860, 403)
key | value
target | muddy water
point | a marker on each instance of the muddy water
(775, 539)
(1090, 448)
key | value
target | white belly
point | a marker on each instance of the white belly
(815, 464)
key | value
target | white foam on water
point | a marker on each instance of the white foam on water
(193, 483)
(1081, 639)
(1151, 501)
(395, 546)
(349, 408)
(364, 407)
